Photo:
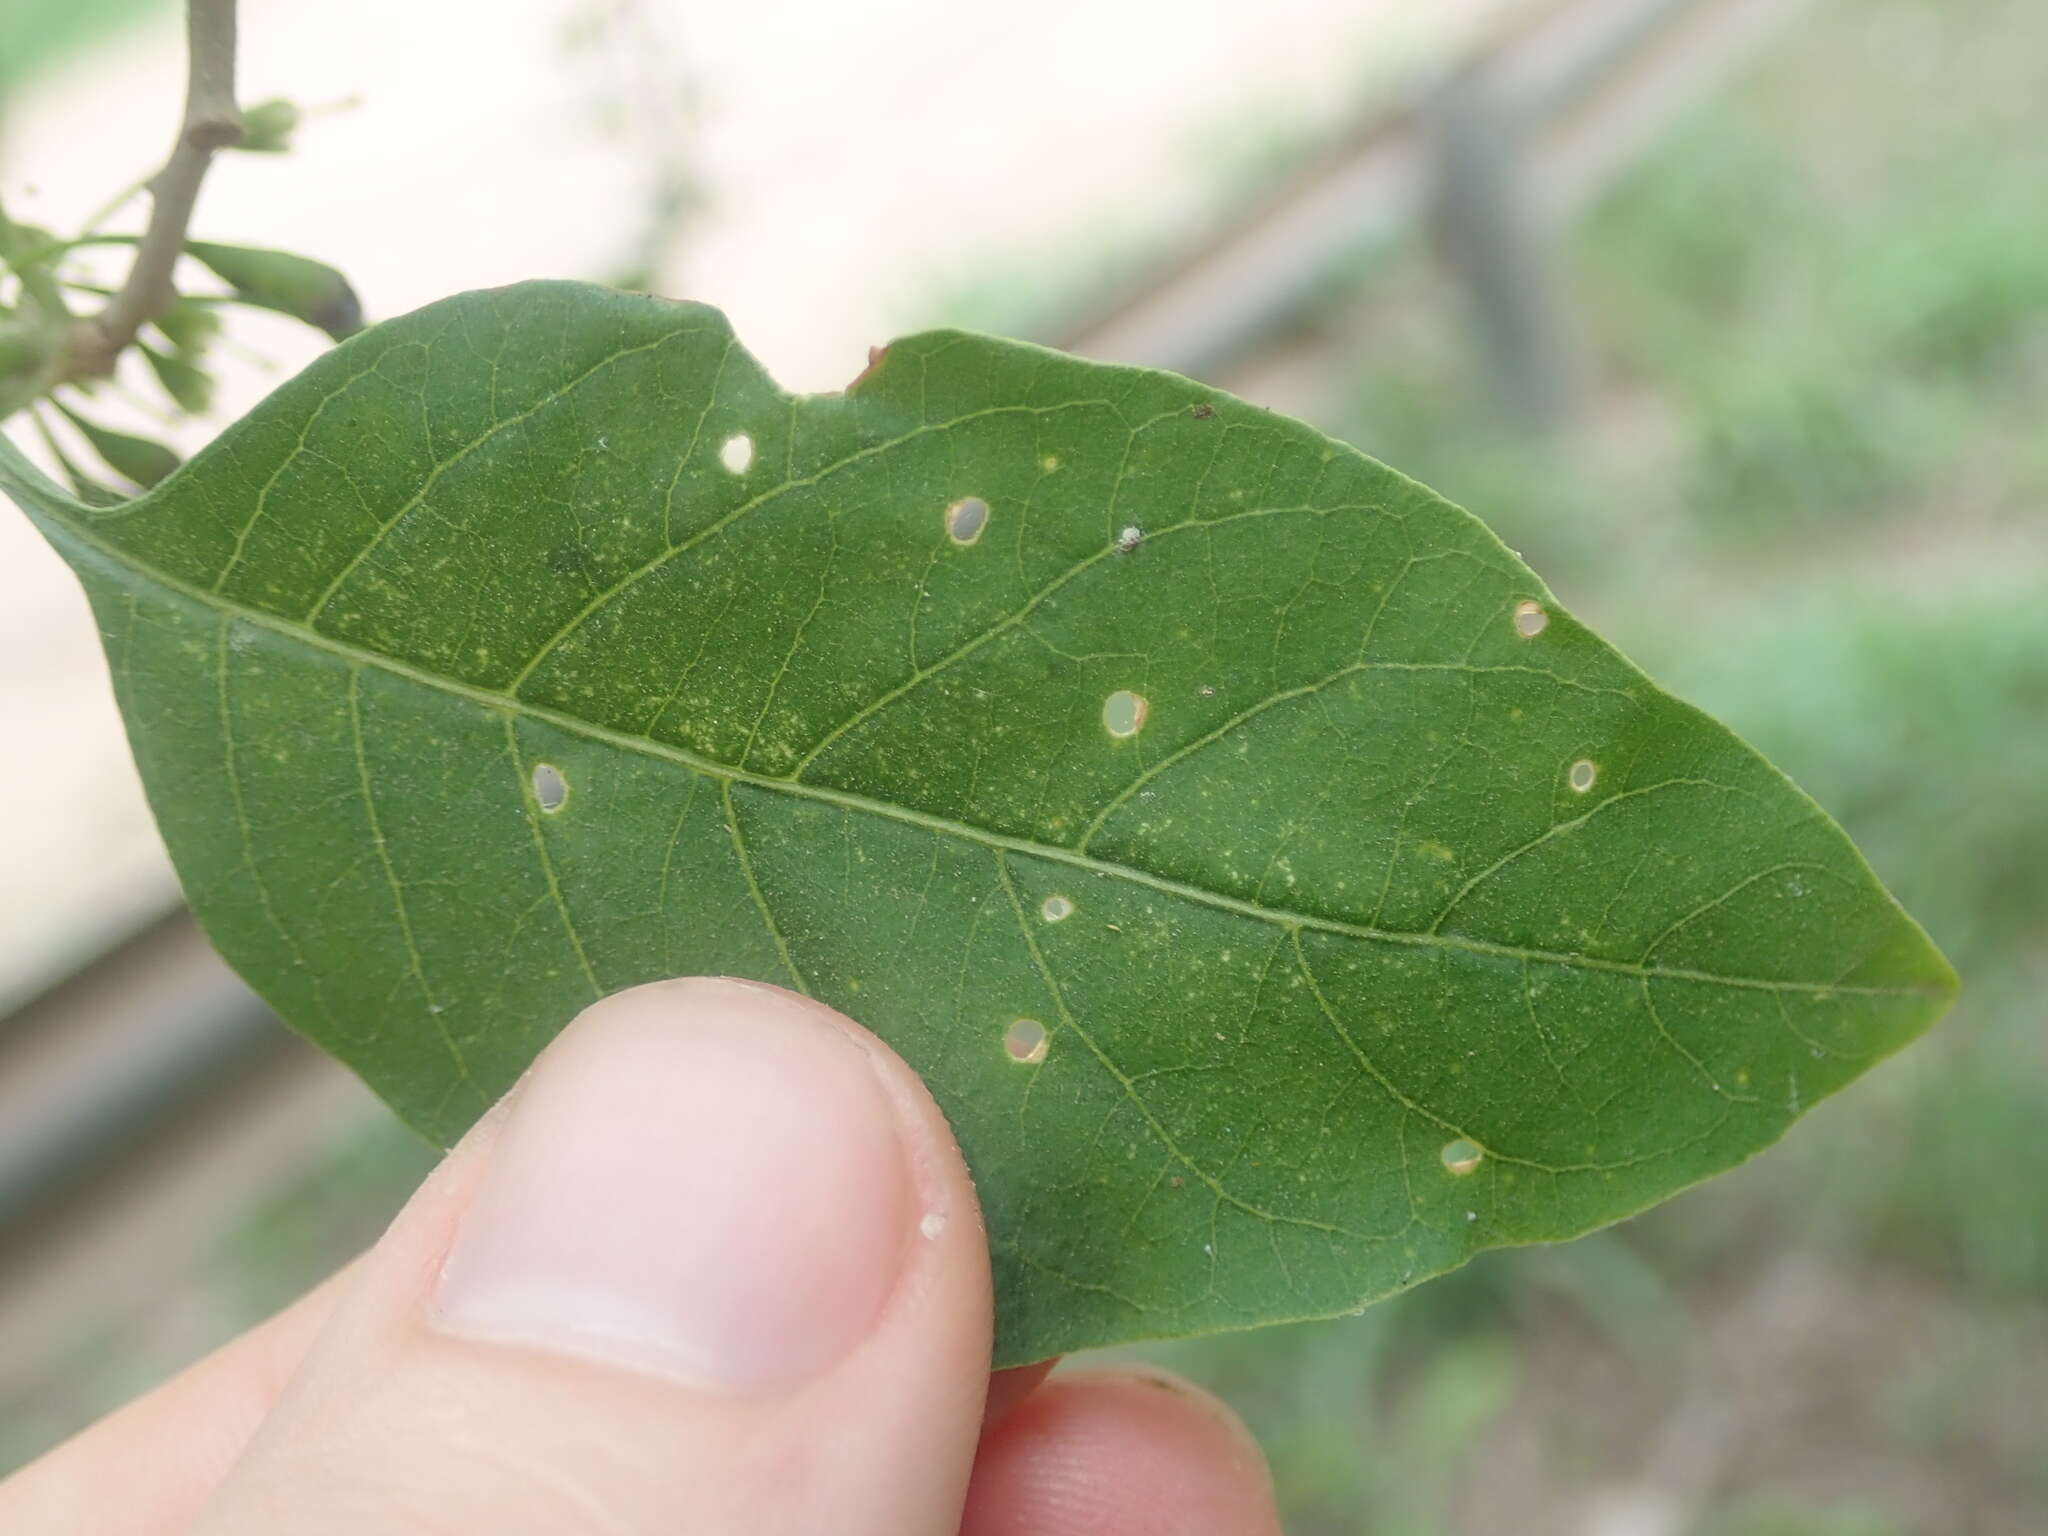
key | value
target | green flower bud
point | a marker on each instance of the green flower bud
(299, 286)
(268, 126)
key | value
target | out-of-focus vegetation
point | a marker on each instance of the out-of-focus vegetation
(263, 1258)
(36, 33)
(1807, 493)
(1817, 310)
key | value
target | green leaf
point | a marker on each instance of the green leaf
(189, 385)
(190, 325)
(536, 644)
(139, 458)
(27, 253)
(88, 490)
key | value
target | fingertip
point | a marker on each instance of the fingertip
(718, 1259)
(1121, 1452)
(699, 1179)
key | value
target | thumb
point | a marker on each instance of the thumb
(715, 1266)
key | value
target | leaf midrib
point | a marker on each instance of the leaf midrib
(509, 706)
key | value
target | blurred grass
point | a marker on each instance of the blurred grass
(1819, 307)
(313, 1222)
(1779, 1517)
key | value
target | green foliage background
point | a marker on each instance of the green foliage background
(37, 33)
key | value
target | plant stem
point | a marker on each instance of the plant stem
(211, 122)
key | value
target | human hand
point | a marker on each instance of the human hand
(715, 1265)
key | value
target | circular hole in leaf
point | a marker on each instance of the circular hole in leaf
(1056, 909)
(550, 789)
(1581, 776)
(1025, 1041)
(1530, 619)
(1462, 1156)
(1123, 713)
(736, 453)
(965, 519)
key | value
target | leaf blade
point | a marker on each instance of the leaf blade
(746, 678)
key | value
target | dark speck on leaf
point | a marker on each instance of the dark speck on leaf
(1204, 411)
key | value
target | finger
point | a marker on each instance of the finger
(719, 1268)
(1120, 1454)
(148, 1467)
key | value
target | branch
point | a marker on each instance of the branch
(211, 122)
